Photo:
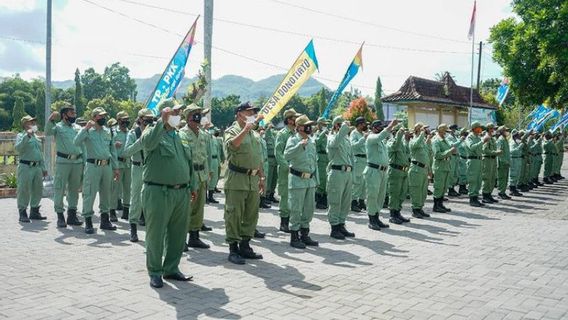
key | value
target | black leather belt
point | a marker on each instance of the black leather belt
(465, 158)
(420, 164)
(271, 156)
(250, 172)
(398, 167)
(488, 157)
(99, 162)
(520, 157)
(69, 156)
(198, 167)
(361, 155)
(554, 154)
(137, 163)
(303, 175)
(376, 166)
(214, 157)
(30, 163)
(322, 152)
(338, 167)
(474, 158)
(169, 186)
(122, 159)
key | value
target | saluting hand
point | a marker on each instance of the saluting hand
(166, 112)
(118, 144)
(90, 124)
(304, 142)
(30, 132)
(53, 116)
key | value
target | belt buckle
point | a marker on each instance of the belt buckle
(177, 186)
(73, 157)
(253, 172)
(306, 175)
(102, 162)
(33, 163)
(347, 168)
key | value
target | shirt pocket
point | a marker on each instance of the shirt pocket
(167, 149)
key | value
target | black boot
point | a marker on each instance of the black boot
(142, 221)
(246, 251)
(212, 200)
(119, 205)
(285, 224)
(443, 206)
(503, 196)
(424, 214)
(394, 218)
(437, 206)
(89, 226)
(524, 188)
(23, 215)
(490, 197)
(344, 231)
(463, 189)
(113, 217)
(547, 180)
(485, 198)
(195, 242)
(335, 233)
(373, 224)
(474, 202)
(401, 217)
(258, 234)
(133, 232)
(452, 192)
(105, 222)
(386, 203)
(125, 213)
(319, 201)
(538, 183)
(61, 220)
(380, 223)
(305, 238)
(514, 192)
(362, 204)
(295, 240)
(35, 215)
(206, 228)
(324, 199)
(234, 255)
(72, 219)
(417, 214)
(355, 206)
(263, 204)
(272, 198)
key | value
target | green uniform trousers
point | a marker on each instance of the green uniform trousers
(165, 211)
(462, 171)
(283, 191)
(339, 184)
(97, 179)
(67, 182)
(502, 177)
(525, 172)
(418, 186)
(301, 202)
(135, 194)
(537, 165)
(197, 208)
(454, 170)
(376, 189)
(442, 180)
(241, 214)
(474, 176)
(121, 188)
(515, 171)
(359, 184)
(212, 183)
(398, 188)
(549, 165)
(322, 169)
(271, 175)
(30, 186)
(489, 175)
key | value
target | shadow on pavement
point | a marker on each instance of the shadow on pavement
(35, 226)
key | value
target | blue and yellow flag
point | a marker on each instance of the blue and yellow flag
(300, 72)
(350, 74)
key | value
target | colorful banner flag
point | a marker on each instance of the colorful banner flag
(173, 74)
(560, 123)
(352, 70)
(502, 92)
(540, 116)
(472, 22)
(300, 72)
(553, 114)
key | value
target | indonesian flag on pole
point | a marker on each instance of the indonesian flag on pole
(472, 23)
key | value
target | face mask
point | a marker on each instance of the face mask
(148, 122)
(34, 128)
(125, 123)
(101, 121)
(308, 129)
(250, 119)
(174, 121)
(196, 117)
(71, 119)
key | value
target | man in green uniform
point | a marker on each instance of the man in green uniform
(68, 164)
(121, 186)
(516, 156)
(101, 164)
(31, 170)
(419, 167)
(339, 177)
(216, 150)
(526, 141)
(489, 175)
(300, 152)
(550, 153)
(165, 196)
(358, 138)
(264, 203)
(462, 163)
(474, 165)
(272, 173)
(321, 148)
(537, 153)
(399, 162)
(503, 162)
(443, 153)
(376, 171)
(290, 116)
(133, 150)
(560, 137)
(196, 140)
(244, 183)
(453, 141)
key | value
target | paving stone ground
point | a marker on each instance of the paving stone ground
(505, 261)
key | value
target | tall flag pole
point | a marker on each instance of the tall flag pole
(174, 72)
(352, 70)
(471, 36)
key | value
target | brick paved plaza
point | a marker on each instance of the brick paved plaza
(505, 261)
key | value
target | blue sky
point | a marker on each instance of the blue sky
(253, 38)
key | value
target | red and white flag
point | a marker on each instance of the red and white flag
(472, 23)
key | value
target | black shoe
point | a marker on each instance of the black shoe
(514, 192)
(429, 192)
(355, 206)
(156, 282)
(217, 190)
(23, 216)
(524, 188)
(485, 198)
(344, 231)
(463, 189)
(401, 217)
(547, 180)
(125, 213)
(417, 214)
(320, 202)
(437, 206)
(272, 198)
(305, 238)
(444, 207)
(35, 215)
(373, 225)
(142, 221)
(119, 205)
(335, 233)
(285, 224)
(61, 220)
(452, 192)
(490, 197)
(195, 242)
(381, 224)
(362, 204)
(133, 232)
(503, 196)
(295, 240)
(206, 228)
(89, 226)
(210, 198)
(424, 214)
(234, 255)
(72, 219)
(246, 251)
(105, 223)
(178, 276)
(113, 217)
(263, 204)
(258, 234)
(386, 203)
(395, 218)
(474, 202)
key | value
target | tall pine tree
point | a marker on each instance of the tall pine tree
(18, 113)
(378, 102)
(78, 100)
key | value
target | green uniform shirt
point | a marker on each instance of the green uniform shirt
(121, 136)
(515, 149)
(199, 145)
(550, 147)
(98, 144)
(503, 145)
(376, 149)
(248, 156)
(420, 151)
(442, 153)
(321, 146)
(133, 146)
(357, 140)
(302, 158)
(29, 148)
(281, 140)
(339, 150)
(474, 145)
(490, 148)
(269, 139)
(64, 136)
(398, 151)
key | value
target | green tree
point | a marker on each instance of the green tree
(121, 86)
(532, 50)
(94, 85)
(40, 106)
(223, 110)
(359, 108)
(18, 113)
(78, 99)
(378, 102)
